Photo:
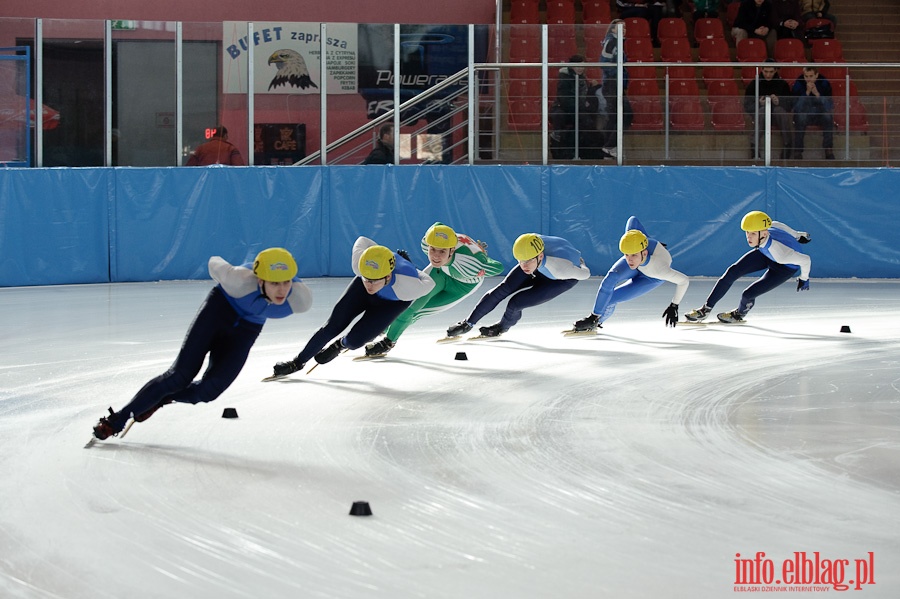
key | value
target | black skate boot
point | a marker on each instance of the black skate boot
(286, 368)
(731, 317)
(380, 348)
(330, 353)
(104, 429)
(588, 323)
(492, 331)
(460, 328)
(697, 315)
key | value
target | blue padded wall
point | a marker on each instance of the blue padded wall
(61, 226)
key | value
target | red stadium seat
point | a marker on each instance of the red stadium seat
(686, 113)
(525, 114)
(670, 29)
(639, 49)
(714, 50)
(560, 48)
(675, 50)
(637, 27)
(560, 12)
(595, 11)
(827, 51)
(709, 29)
(524, 11)
(644, 76)
(721, 89)
(859, 122)
(789, 50)
(727, 114)
(647, 113)
(524, 49)
(751, 50)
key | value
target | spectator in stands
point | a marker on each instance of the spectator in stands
(608, 93)
(218, 150)
(770, 85)
(753, 20)
(706, 9)
(813, 106)
(816, 9)
(652, 10)
(383, 152)
(571, 97)
(786, 19)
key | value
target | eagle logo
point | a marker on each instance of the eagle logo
(291, 70)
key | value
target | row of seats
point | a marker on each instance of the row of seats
(686, 112)
(559, 12)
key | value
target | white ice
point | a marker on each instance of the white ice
(634, 464)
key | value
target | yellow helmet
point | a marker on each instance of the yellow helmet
(376, 262)
(756, 221)
(440, 235)
(275, 265)
(633, 242)
(528, 246)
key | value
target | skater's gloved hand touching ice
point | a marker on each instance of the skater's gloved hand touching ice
(802, 285)
(671, 315)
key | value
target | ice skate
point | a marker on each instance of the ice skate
(733, 317)
(698, 315)
(491, 332)
(379, 349)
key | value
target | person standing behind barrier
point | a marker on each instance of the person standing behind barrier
(217, 150)
(548, 266)
(609, 57)
(571, 97)
(776, 89)
(813, 106)
(383, 152)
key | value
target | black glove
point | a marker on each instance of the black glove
(460, 328)
(671, 315)
(286, 368)
(805, 238)
(802, 285)
(403, 254)
(588, 323)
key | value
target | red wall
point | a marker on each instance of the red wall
(359, 11)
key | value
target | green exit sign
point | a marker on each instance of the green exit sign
(124, 25)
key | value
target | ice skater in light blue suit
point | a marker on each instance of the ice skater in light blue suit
(645, 264)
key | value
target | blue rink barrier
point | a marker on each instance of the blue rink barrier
(91, 225)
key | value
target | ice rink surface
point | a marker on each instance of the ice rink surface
(638, 463)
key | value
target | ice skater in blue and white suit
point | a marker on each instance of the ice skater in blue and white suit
(644, 266)
(548, 266)
(776, 249)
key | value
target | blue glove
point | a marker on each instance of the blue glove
(802, 285)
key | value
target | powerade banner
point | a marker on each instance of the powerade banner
(286, 58)
(428, 55)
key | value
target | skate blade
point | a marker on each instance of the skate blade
(449, 339)
(366, 358)
(127, 428)
(273, 377)
(90, 443)
(483, 338)
(574, 333)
